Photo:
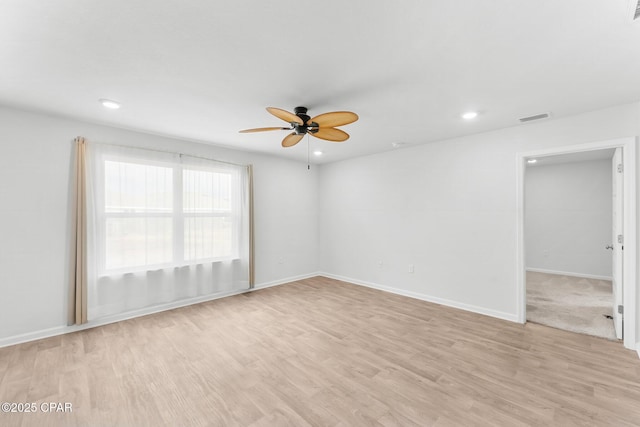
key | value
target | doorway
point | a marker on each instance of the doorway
(627, 293)
(568, 235)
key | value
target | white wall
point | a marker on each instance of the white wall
(35, 155)
(568, 211)
(448, 208)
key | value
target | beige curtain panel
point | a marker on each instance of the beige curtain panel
(78, 274)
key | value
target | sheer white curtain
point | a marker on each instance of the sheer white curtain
(163, 227)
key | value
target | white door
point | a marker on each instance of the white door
(618, 242)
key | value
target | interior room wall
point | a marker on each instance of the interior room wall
(568, 214)
(447, 208)
(35, 177)
(438, 221)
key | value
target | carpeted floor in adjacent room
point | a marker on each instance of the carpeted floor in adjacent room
(571, 303)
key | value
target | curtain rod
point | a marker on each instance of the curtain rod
(169, 152)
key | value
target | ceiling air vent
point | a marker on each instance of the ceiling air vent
(533, 118)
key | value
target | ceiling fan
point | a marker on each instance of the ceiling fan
(322, 126)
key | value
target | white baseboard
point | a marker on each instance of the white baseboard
(638, 349)
(424, 297)
(60, 330)
(36, 335)
(568, 273)
(284, 281)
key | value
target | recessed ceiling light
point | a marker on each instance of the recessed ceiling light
(532, 161)
(470, 115)
(107, 103)
(317, 153)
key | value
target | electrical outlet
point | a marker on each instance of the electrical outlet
(280, 260)
(411, 269)
(545, 253)
(379, 264)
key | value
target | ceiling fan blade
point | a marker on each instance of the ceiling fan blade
(285, 115)
(331, 134)
(292, 139)
(262, 129)
(337, 118)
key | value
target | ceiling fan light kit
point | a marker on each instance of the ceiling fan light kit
(322, 126)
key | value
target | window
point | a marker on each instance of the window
(138, 215)
(163, 227)
(210, 222)
(161, 214)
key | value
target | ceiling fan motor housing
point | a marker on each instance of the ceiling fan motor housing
(302, 113)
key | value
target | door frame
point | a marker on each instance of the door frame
(617, 189)
(629, 222)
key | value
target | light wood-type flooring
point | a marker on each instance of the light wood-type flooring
(324, 353)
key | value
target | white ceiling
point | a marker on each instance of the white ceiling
(203, 69)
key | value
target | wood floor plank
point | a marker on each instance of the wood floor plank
(322, 352)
